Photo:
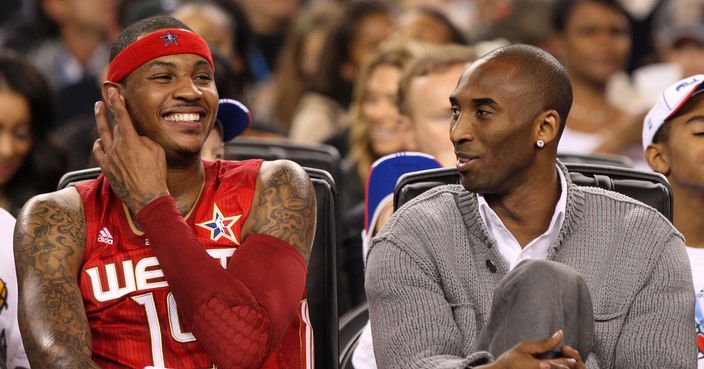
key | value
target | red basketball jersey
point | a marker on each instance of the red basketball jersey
(132, 314)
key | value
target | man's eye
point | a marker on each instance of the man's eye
(204, 77)
(161, 77)
(454, 113)
(481, 113)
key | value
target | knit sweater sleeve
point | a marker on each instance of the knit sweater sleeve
(412, 322)
(659, 328)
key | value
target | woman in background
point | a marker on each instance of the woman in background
(375, 130)
(594, 44)
(30, 161)
(299, 59)
(351, 43)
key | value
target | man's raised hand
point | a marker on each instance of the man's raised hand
(134, 165)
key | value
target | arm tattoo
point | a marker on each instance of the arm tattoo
(286, 207)
(49, 242)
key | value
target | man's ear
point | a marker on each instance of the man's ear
(548, 126)
(658, 157)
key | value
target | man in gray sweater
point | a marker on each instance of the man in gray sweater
(433, 270)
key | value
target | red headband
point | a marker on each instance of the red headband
(154, 45)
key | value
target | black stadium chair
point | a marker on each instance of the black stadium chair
(647, 187)
(71, 178)
(613, 160)
(351, 325)
(318, 156)
(322, 273)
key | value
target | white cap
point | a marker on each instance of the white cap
(669, 102)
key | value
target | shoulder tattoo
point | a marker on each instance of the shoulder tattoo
(286, 207)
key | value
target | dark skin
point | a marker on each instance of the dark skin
(495, 126)
(680, 157)
(50, 232)
(496, 122)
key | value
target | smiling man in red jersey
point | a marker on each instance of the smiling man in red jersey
(160, 261)
(517, 267)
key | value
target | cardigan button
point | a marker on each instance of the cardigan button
(490, 264)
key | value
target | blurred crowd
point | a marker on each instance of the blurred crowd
(369, 78)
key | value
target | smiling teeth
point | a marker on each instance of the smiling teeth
(190, 117)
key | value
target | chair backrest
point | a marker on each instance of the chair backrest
(71, 178)
(613, 160)
(322, 272)
(351, 326)
(318, 156)
(648, 187)
(321, 285)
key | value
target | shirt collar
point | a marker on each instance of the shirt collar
(489, 218)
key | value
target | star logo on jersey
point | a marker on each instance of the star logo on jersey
(169, 39)
(221, 226)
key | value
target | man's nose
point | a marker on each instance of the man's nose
(461, 130)
(187, 89)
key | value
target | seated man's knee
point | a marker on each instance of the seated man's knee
(544, 273)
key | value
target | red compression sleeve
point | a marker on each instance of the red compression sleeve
(238, 314)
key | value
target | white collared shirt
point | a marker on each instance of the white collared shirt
(509, 249)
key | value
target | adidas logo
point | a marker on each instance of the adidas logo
(105, 236)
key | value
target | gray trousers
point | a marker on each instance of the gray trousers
(532, 302)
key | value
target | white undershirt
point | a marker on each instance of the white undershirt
(509, 249)
(696, 262)
(14, 355)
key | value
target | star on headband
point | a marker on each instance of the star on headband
(169, 39)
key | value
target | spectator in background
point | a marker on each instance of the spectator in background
(375, 131)
(351, 43)
(674, 147)
(683, 46)
(427, 24)
(681, 50)
(75, 54)
(31, 161)
(299, 60)
(12, 355)
(378, 200)
(424, 89)
(593, 42)
(268, 21)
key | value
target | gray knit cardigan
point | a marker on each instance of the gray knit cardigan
(430, 287)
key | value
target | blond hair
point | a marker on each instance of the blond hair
(396, 55)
